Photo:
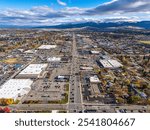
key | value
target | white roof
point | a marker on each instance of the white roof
(95, 52)
(13, 87)
(21, 50)
(86, 68)
(47, 47)
(106, 64)
(110, 63)
(94, 79)
(115, 63)
(52, 59)
(30, 51)
(34, 69)
(61, 77)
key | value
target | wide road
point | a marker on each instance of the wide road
(75, 98)
(112, 107)
(38, 107)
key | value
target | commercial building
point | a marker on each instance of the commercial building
(115, 63)
(47, 47)
(95, 52)
(94, 79)
(105, 64)
(15, 88)
(110, 63)
(30, 51)
(54, 59)
(33, 71)
(86, 68)
(62, 78)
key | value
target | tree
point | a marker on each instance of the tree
(120, 100)
(2, 50)
(1, 110)
(6, 110)
(148, 101)
(3, 102)
(134, 99)
(6, 101)
(127, 82)
(115, 80)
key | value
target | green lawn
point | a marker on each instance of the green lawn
(145, 42)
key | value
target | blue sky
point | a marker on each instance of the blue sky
(24, 4)
(53, 12)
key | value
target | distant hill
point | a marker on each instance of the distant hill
(103, 25)
(94, 25)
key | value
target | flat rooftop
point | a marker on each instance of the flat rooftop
(94, 79)
(86, 68)
(33, 69)
(105, 64)
(110, 63)
(54, 59)
(15, 87)
(115, 63)
(47, 47)
(95, 52)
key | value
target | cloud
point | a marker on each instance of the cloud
(116, 10)
(72, 11)
(121, 18)
(26, 17)
(120, 6)
(61, 3)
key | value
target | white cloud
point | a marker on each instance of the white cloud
(120, 6)
(61, 3)
(72, 10)
(116, 10)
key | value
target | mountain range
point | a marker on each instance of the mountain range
(96, 25)
(103, 25)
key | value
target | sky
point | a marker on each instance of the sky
(55, 12)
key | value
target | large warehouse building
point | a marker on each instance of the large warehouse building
(15, 88)
(110, 64)
(33, 71)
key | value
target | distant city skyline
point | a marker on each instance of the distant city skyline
(54, 12)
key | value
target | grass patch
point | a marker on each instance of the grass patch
(145, 42)
(11, 61)
(63, 101)
(67, 87)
